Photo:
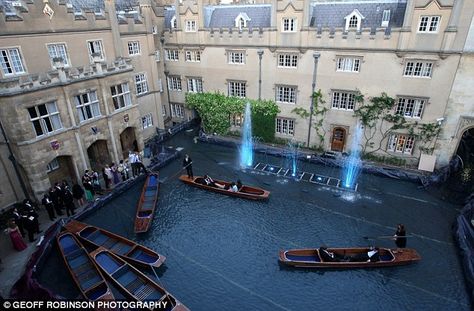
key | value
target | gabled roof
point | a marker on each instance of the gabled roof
(332, 14)
(223, 16)
(79, 5)
(169, 13)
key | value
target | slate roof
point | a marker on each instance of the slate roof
(331, 14)
(223, 16)
(78, 5)
(169, 13)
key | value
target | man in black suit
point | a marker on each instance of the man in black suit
(188, 165)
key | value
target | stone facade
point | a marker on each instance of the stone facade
(161, 59)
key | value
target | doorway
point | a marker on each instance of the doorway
(128, 141)
(338, 139)
(61, 168)
(98, 154)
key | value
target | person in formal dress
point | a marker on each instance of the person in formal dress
(78, 194)
(49, 206)
(19, 221)
(68, 201)
(188, 165)
(400, 236)
(15, 236)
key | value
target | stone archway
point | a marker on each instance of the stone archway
(128, 141)
(61, 168)
(338, 139)
(99, 155)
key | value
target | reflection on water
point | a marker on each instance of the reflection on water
(222, 252)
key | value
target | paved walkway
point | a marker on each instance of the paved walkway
(14, 262)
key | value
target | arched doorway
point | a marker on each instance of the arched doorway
(128, 141)
(338, 139)
(61, 168)
(98, 154)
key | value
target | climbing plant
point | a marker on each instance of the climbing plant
(215, 110)
(377, 117)
(319, 110)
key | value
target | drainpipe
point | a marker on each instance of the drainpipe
(260, 54)
(313, 86)
(11, 157)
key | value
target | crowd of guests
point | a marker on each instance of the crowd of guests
(24, 222)
(62, 199)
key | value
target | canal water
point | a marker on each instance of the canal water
(222, 252)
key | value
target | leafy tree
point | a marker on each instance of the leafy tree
(215, 110)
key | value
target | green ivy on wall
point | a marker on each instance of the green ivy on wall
(377, 117)
(215, 110)
(319, 111)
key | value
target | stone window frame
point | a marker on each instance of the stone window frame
(196, 84)
(418, 68)
(292, 94)
(237, 88)
(12, 63)
(87, 106)
(287, 58)
(192, 55)
(343, 100)
(122, 98)
(90, 47)
(172, 55)
(348, 63)
(53, 53)
(401, 143)
(289, 24)
(190, 25)
(177, 110)
(147, 121)
(411, 106)
(134, 48)
(174, 83)
(428, 22)
(141, 83)
(285, 126)
(236, 57)
(47, 119)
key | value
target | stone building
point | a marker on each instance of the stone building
(79, 86)
(83, 82)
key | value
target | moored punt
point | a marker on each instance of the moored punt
(311, 258)
(147, 203)
(125, 248)
(246, 192)
(133, 283)
(82, 268)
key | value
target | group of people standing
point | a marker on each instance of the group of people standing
(25, 218)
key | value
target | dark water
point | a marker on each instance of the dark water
(222, 252)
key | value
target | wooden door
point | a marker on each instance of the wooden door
(338, 139)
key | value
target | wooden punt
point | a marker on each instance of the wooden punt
(147, 203)
(125, 248)
(133, 283)
(83, 269)
(311, 258)
(246, 192)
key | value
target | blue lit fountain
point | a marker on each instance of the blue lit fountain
(293, 147)
(246, 150)
(352, 164)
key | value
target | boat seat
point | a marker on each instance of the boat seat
(151, 188)
(150, 193)
(78, 261)
(121, 248)
(120, 272)
(91, 235)
(98, 239)
(142, 256)
(88, 278)
(74, 254)
(148, 205)
(109, 243)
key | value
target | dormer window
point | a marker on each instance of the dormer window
(173, 23)
(354, 20)
(385, 18)
(241, 20)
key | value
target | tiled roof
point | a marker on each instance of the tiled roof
(223, 16)
(331, 14)
(169, 13)
(78, 5)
